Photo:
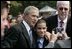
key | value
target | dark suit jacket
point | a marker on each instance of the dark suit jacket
(52, 23)
(17, 37)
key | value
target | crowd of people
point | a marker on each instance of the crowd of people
(32, 32)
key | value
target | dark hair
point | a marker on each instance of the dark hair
(39, 21)
(4, 4)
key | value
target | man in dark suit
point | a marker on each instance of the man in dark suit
(20, 35)
(61, 21)
(63, 15)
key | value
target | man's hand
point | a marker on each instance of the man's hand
(47, 35)
(53, 37)
(65, 36)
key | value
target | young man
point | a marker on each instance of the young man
(42, 37)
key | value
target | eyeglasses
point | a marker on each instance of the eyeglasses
(61, 8)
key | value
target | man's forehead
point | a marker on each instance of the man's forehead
(34, 12)
(59, 3)
(64, 5)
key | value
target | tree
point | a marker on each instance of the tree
(19, 6)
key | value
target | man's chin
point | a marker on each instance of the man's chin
(41, 35)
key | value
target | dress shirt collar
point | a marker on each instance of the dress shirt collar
(27, 26)
(41, 40)
(65, 20)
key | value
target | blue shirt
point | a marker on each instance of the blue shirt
(40, 42)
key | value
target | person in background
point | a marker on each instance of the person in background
(13, 22)
(19, 17)
(62, 20)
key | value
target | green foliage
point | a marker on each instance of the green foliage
(15, 8)
(19, 6)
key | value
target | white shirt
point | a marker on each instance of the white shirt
(40, 40)
(28, 30)
(64, 25)
(27, 27)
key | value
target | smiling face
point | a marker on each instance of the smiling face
(63, 9)
(41, 28)
(31, 14)
(32, 18)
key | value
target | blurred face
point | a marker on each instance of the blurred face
(19, 19)
(32, 17)
(4, 21)
(63, 10)
(41, 29)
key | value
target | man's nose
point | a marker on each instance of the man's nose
(35, 19)
(63, 10)
(6, 23)
(41, 30)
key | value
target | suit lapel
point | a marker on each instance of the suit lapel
(68, 22)
(68, 27)
(45, 42)
(25, 33)
(56, 21)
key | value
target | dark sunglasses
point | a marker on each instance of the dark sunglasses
(63, 8)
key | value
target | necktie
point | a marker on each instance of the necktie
(40, 43)
(30, 35)
(61, 25)
(60, 30)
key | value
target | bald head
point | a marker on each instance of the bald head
(60, 3)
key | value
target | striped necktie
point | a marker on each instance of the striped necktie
(61, 25)
(30, 35)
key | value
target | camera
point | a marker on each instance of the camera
(58, 29)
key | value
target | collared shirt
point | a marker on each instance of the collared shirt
(40, 42)
(28, 29)
(64, 24)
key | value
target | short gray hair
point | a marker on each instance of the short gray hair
(29, 8)
(60, 2)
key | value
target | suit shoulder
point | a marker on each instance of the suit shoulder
(16, 27)
(52, 17)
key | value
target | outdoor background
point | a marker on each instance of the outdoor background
(19, 6)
